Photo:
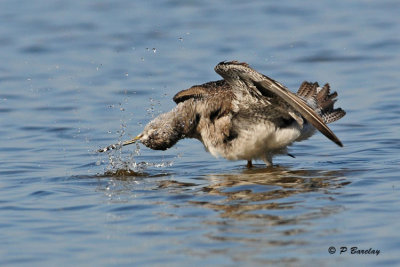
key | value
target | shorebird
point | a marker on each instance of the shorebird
(245, 116)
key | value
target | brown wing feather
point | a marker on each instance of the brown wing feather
(192, 92)
(240, 76)
(200, 91)
(295, 102)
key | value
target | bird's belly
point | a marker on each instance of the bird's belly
(255, 142)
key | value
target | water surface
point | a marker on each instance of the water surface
(78, 75)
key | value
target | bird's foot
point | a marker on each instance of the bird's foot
(249, 164)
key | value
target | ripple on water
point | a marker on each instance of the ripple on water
(67, 66)
(36, 49)
(330, 57)
(6, 110)
(129, 208)
(41, 193)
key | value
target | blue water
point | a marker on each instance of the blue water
(78, 75)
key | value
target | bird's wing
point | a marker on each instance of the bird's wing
(245, 80)
(192, 92)
(200, 91)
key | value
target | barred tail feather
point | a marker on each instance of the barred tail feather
(324, 100)
(334, 115)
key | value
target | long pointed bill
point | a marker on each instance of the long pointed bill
(125, 143)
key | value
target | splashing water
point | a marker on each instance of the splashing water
(122, 165)
(125, 165)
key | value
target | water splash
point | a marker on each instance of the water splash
(122, 164)
(125, 165)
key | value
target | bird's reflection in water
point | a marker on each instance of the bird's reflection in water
(248, 213)
(255, 192)
(266, 211)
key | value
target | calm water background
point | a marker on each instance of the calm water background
(78, 75)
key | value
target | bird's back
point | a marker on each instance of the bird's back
(256, 130)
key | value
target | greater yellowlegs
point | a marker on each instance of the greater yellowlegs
(245, 116)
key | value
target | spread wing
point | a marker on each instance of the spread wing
(201, 91)
(248, 81)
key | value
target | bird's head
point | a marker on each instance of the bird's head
(159, 137)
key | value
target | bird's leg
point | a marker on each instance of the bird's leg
(268, 160)
(249, 164)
